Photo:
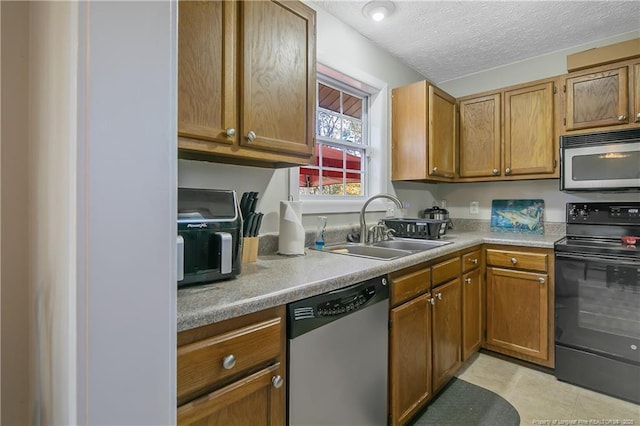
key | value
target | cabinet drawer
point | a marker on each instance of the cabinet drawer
(470, 260)
(446, 271)
(518, 259)
(410, 285)
(201, 364)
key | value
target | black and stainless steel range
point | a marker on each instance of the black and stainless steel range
(597, 299)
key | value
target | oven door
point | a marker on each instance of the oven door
(611, 166)
(597, 305)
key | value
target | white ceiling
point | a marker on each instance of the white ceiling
(444, 40)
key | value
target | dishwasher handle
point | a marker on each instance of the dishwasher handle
(308, 314)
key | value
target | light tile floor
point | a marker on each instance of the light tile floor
(541, 399)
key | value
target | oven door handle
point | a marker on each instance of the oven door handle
(601, 259)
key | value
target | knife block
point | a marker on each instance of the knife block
(249, 249)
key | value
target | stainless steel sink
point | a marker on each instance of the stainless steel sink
(411, 244)
(357, 249)
(385, 250)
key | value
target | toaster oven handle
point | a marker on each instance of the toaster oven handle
(180, 247)
(226, 252)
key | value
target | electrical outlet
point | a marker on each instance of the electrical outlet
(474, 207)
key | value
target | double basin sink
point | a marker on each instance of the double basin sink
(387, 249)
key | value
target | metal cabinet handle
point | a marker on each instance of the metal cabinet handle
(495, 171)
(541, 280)
(474, 261)
(467, 280)
(622, 117)
(507, 171)
(638, 116)
(230, 132)
(439, 296)
(432, 300)
(251, 136)
(228, 362)
(514, 260)
(435, 169)
(277, 381)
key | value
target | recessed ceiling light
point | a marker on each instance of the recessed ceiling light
(378, 10)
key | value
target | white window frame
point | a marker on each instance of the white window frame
(377, 152)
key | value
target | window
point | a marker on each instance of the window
(342, 143)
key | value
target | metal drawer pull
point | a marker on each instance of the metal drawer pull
(468, 280)
(277, 381)
(514, 260)
(622, 117)
(541, 280)
(231, 132)
(474, 261)
(228, 362)
(638, 116)
(251, 136)
(507, 171)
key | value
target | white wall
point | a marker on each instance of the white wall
(14, 290)
(126, 207)
(458, 196)
(356, 55)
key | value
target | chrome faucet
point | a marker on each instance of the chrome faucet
(363, 223)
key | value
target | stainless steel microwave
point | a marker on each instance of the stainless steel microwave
(603, 162)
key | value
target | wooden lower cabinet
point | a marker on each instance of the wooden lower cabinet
(410, 358)
(446, 332)
(253, 400)
(233, 372)
(517, 311)
(520, 304)
(472, 313)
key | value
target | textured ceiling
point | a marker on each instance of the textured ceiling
(444, 40)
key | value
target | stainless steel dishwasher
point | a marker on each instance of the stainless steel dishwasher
(337, 357)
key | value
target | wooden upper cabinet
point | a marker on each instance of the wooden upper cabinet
(636, 93)
(529, 137)
(278, 68)
(246, 82)
(596, 99)
(423, 142)
(442, 133)
(480, 136)
(409, 132)
(207, 101)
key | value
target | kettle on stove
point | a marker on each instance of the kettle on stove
(438, 213)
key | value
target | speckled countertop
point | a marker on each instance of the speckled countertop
(276, 280)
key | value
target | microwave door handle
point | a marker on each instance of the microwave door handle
(180, 247)
(226, 252)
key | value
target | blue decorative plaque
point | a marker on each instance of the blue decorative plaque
(524, 216)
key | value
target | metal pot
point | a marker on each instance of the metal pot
(438, 214)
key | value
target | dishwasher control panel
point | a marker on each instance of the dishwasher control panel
(312, 312)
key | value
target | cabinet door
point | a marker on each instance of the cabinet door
(597, 99)
(517, 311)
(472, 324)
(278, 76)
(207, 94)
(409, 132)
(529, 138)
(480, 136)
(636, 93)
(258, 399)
(410, 358)
(446, 332)
(442, 133)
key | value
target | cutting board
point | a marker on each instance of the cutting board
(523, 216)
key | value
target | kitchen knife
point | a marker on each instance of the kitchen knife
(243, 205)
(245, 225)
(251, 225)
(258, 223)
